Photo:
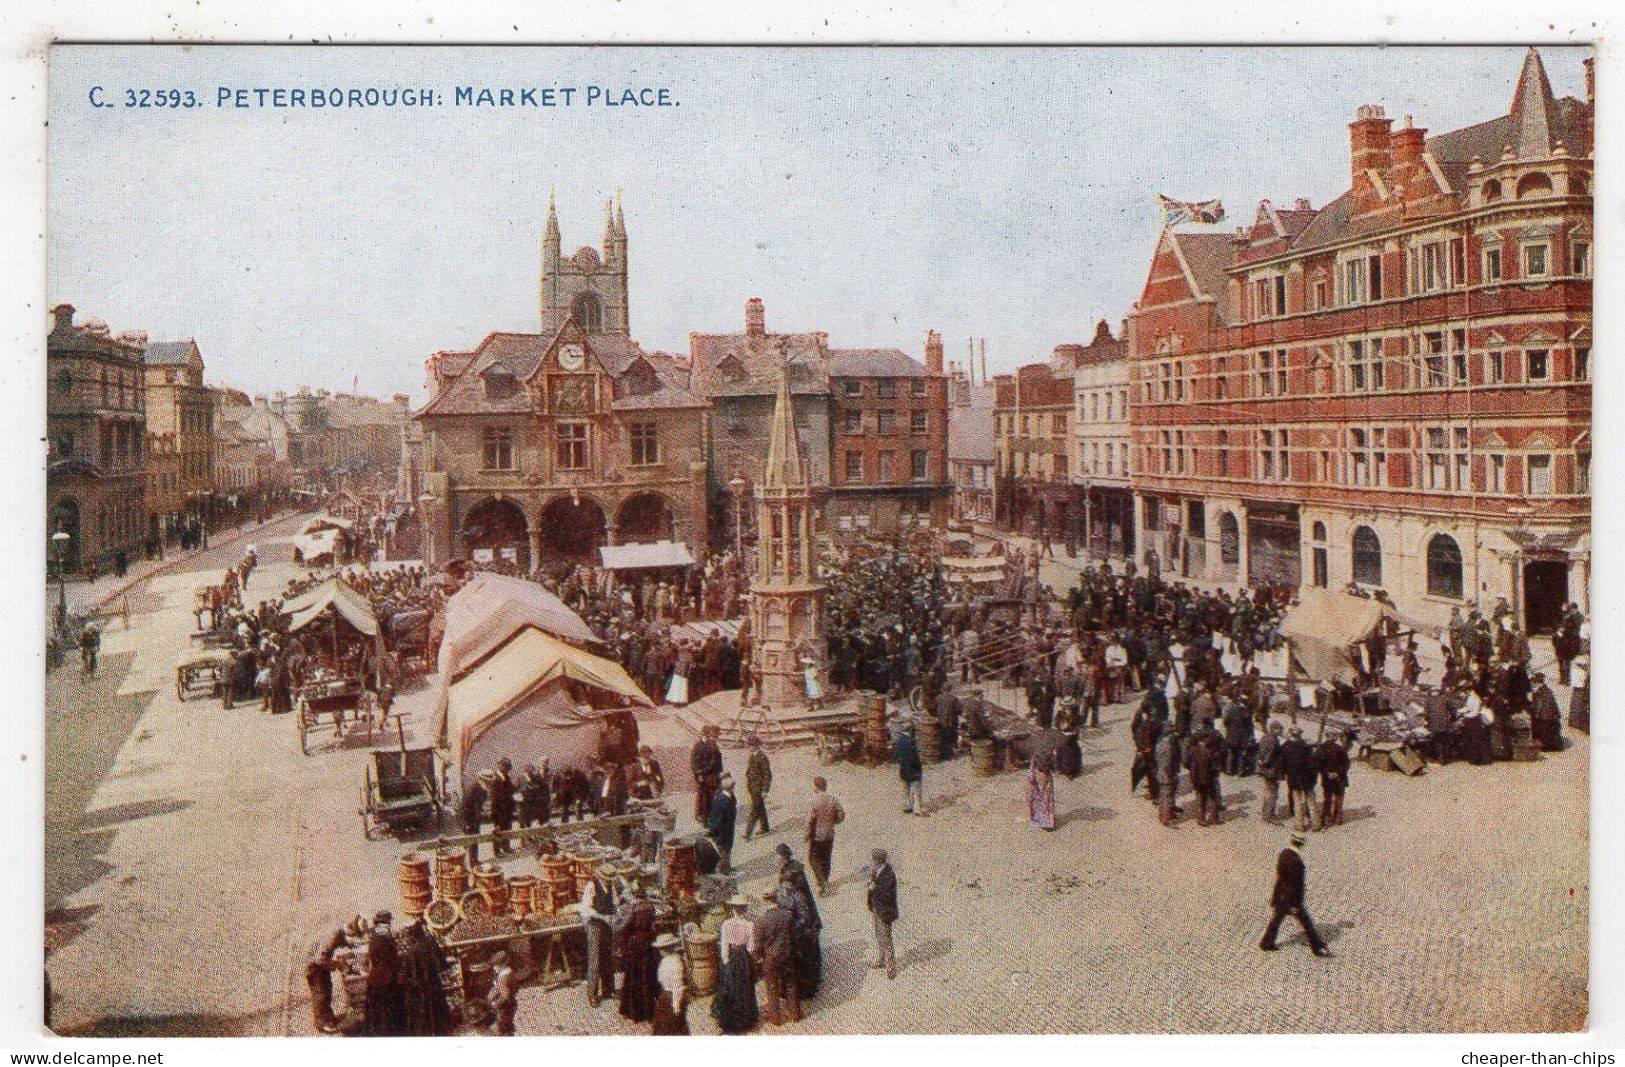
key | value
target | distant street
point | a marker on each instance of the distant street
(201, 851)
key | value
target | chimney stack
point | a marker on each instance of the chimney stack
(1368, 140)
(62, 315)
(933, 352)
(1302, 204)
(755, 317)
(1406, 144)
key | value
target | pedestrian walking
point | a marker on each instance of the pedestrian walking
(1166, 765)
(910, 770)
(758, 782)
(774, 951)
(1288, 899)
(597, 913)
(882, 899)
(822, 817)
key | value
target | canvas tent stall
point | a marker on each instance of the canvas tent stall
(490, 609)
(650, 556)
(534, 697)
(346, 603)
(1325, 629)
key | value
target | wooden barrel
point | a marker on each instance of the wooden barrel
(926, 733)
(679, 871)
(872, 706)
(490, 884)
(450, 875)
(981, 757)
(521, 895)
(413, 875)
(704, 962)
(582, 870)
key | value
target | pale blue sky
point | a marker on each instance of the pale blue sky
(870, 193)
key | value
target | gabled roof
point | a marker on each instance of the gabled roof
(169, 353)
(759, 357)
(1208, 256)
(516, 353)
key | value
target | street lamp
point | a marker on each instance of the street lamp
(736, 485)
(428, 529)
(59, 545)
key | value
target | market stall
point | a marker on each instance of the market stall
(533, 697)
(482, 615)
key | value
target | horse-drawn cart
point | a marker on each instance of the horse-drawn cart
(340, 700)
(201, 673)
(401, 792)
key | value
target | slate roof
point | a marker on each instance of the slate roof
(462, 390)
(1208, 255)
(168, 353)
(759, 357)
(874, 363)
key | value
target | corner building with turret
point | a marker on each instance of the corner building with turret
(1390, 390)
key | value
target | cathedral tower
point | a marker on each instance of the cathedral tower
(590, 284)
(787, 600)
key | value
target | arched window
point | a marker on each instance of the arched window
(588, 312)
(1534, 184)
(1367, 556)
(1229, 539)
(1444, 567)
(1318, 531)
(1491, 191)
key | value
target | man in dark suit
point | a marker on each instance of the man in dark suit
(758, 781)
(471, 811)
(502, 804)
(1297, 762)
(721, 821)
(774, 950)
(883, 907)
(705, 761)
(1332, 760)
(1287, 899)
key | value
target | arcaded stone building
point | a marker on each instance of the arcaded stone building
(1393, 389)
(540, 448)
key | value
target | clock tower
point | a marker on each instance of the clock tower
(786, 598)
(590, 284)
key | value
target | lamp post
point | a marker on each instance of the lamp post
(428, 529)
(736, 486)
(59, 546)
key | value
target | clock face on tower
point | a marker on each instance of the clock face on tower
(571, 357)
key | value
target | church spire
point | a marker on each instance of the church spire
(620, 217)
(609, 228)
(552, 216)
(1533, 109)
(785, 467)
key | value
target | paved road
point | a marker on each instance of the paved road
(195, 856)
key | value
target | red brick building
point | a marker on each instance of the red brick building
(890, 430)
(1392, 389)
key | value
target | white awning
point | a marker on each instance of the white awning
(654, 554)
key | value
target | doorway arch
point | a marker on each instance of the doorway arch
(497, 525)
(571, 530)
(644, 517)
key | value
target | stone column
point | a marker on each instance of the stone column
(535, 535)
(1244, 548)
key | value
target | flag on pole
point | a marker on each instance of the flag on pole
(1178, 212)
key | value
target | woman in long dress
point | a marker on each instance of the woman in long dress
(671, 1002)
(734, 1007)
(677, 690)
(1041, 793)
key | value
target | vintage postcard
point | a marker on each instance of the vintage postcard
(857, 541)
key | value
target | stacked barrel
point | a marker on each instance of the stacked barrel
(872, 725)
(413, 875)
(929, 736)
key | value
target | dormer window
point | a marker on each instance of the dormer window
(731, 369)
(500, 383)
(641, 379)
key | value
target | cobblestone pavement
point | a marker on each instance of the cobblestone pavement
(196, 859)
